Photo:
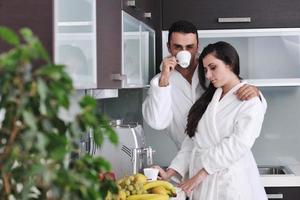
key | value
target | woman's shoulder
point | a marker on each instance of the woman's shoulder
(254, 104)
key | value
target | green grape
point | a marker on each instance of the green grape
(133, 192)
(125, 188)
(131, 178)
(130, 187)
(127, 182)
(127, 193)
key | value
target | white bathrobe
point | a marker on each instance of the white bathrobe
(222, 146)
(168, 107)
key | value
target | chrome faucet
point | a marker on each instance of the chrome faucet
(138, 158)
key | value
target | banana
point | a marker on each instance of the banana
(153, 184)
(148, 197)
(141, 178)
(169, 189)
(140, 196)
(159, 197)
(172, 192)
(159, 190)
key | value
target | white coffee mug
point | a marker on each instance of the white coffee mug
(151, 173)
(183, 58)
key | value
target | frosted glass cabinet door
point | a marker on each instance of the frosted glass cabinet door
(138, 52)
(75, 40)
(148, 53)
(131, 59)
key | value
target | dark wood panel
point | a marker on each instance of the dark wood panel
(204, 13)
(109, 43)
(289, 193)
(36, 15)
(143, 6)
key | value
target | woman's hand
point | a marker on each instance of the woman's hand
(165, 175)
(247, 92)
(188, 185)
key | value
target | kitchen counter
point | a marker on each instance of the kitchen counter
(283, 180)
(286, 180)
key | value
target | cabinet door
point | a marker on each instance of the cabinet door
(286, 193)
(109, 44)
(138, 55)
(36, 15)
(75, 40)
(131, 59)
(147, 54)
(146, 11)
(88, 41)
(205, 13)
(148, 7)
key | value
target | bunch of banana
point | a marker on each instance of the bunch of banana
(160, 187)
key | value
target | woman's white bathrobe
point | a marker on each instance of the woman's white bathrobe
(222, 146)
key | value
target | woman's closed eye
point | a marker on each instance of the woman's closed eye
(212, 67)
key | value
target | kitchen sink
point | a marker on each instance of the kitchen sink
(274, 170)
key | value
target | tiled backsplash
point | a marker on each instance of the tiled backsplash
(128, 106)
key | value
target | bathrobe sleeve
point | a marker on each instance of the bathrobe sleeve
(247, 127)
(182, 160)
(157, 110)
(264, 102)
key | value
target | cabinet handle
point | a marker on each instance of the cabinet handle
(234, 19)
(131, 3)
(275, 196)
(118, 77)
(147, 15)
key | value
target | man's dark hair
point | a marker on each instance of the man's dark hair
(182, 26)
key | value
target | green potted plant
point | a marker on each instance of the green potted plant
(35, 142)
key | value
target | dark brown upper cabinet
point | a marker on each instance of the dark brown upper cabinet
(211, 14)
(103, 46)
(36, 15)
(86, 35)
(147, 11)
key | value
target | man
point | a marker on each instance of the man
(175, 89)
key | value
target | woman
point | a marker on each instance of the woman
(221, 131)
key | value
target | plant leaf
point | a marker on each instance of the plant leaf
(30, 120)
(9, 36)
(88, 101)
(42, 89)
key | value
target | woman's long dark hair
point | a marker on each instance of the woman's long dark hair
(222, 51)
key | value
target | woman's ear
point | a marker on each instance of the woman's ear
(229, 67)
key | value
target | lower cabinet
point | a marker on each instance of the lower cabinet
(286, 193)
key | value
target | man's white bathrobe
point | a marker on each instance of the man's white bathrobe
(222, 146)
(168, 107)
